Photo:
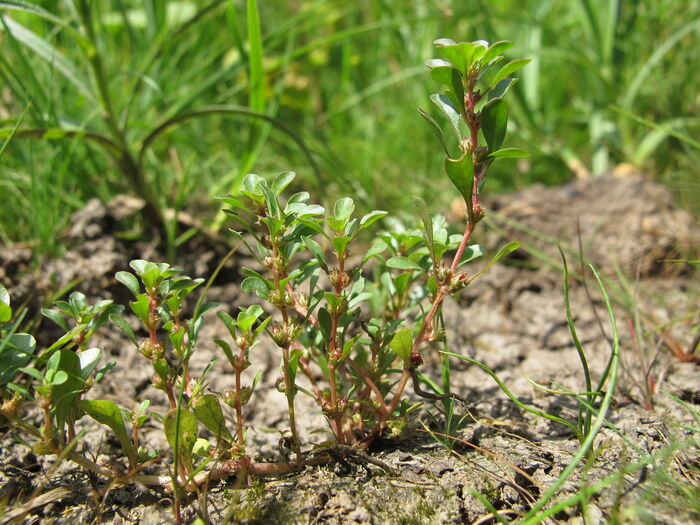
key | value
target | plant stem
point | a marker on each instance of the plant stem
(462, 246)
(239, 406)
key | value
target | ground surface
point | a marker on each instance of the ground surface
(512, 319)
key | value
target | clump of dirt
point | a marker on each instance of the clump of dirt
(512, 318)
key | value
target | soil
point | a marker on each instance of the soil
(512, 319)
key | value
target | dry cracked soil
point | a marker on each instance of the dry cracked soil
(512, 319)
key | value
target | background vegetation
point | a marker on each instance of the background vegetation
(611, 82)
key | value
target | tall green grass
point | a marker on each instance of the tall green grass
(333, 87)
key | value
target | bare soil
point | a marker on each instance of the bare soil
(513, 319)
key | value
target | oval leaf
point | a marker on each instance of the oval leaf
(445, 104)
(509, 153)
(510, 67)
(130, 281)
(108, 413)
(208, 410)
(181, 433)
(436, 129)
(402, 345)
(402, 263)
(494, 122)
(461, 173)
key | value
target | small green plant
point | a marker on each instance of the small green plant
(354, 321)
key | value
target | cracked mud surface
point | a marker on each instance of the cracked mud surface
(512, 318)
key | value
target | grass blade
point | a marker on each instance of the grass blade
(532, 516)
(584, 415)
(642, 75)
(227, 109)
(12, 131)
(49, 53)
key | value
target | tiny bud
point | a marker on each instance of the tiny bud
(157, 381)
(340, 308)
(479, 213)
(292, 332)
(334, 277)
(230, 398)
(149, 350)
(458, 282)
(442, 273)
(280, 385)
(303, 299)
(335, 356)
(241, 342)
(416, 359)
(276, 298)
(245, 393)
(279, 335)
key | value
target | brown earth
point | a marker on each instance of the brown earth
(512, 318)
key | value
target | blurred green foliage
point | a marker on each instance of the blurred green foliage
(611, 82)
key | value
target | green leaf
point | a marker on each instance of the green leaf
(428, 225)
(510, 247)
(282, 181)
(67, 337)
(49, 53)
(371, 217)
(201, 448)
(470, 253)
(108, 413)
(509, 153)
(495, 50)
(252, 182)
(300, 210)
(374, 250)
(340, 244)
(500, 89)
(324, 323)
(437, 130)
(402, 345)
(461, 55)
(256, 284)
(343, 208)
(247, 317)
(270, 201)
(461, 173)
(402, 263)
(494, 122)
(4, 296)
(445, 104)
(317, 252)
(181, 432)
(124, 326)
(67, 384)
(88, 361)
(255, 59)
(207, 409)
(441, 71)
(456, 91)
(56, 317)
(140, 307)
(17, 352)
(510, 67)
